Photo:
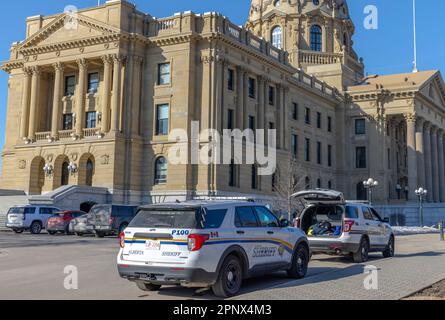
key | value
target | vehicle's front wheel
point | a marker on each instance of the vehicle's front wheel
(230, 278)
(144, 286)
(100, 234)
(390, 248)
(300, 262)
(363, 251)
(18, 230)
(79, 234)
(52, 232)
(36, 227)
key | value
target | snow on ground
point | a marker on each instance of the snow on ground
(414, 230)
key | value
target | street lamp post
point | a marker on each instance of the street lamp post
(370, 184)
(421, 194)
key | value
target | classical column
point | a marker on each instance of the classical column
(435, 164)
(440, 151)
(106, 94)
(34, 103)
(57, 100)
(260, 109)
(24, 120)
(81, 95)
(116, 98)
(420, 151)
(240, 72)
(411, 154)
(428, 166)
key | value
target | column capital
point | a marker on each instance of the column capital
(119, 58)
(420, 123)
(261, 79)
(58, 66)
(138, 60)
(27, 71)
(440, 133)
(36, 70)
(427, 125)
(106, 59)
(410, 117)
(434, 129)
(82, 63)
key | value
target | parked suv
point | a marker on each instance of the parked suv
(33, 218)
(213, 244)
(335, 226)
(111, 219)
(81, 225)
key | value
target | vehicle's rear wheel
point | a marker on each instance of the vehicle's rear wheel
(79, 234)
(300, 262)
(390, 248)
(100, 234)
(144, 286)
(18, 230)
(36, 227)
(230, 278)
(363, 251)
(52, 232)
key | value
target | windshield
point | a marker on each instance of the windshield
(178, 219)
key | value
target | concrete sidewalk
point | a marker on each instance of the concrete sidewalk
(419, 263)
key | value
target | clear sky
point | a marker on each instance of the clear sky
(385, 50)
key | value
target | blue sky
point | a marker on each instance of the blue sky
(385, 50)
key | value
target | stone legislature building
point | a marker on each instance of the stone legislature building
(93, 95)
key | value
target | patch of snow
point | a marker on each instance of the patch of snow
(414, 230)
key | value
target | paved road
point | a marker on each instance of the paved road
(32, 267)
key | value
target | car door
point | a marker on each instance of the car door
(371, 227)
(384, 232)
(44, 214)
(273, 247)
(248, 233)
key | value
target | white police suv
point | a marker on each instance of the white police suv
(213, 244)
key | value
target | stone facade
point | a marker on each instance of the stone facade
(89, 101)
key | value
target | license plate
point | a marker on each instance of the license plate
(153, 245)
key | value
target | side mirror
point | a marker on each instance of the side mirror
(284, 223)
(386, 220)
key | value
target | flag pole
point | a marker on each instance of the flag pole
(415, 38)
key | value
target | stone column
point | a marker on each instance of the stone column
(420, 151)
(106, 94)
(81, 95)
(280, 118)
(57, 100)
(24, 120)
(261, 106)
(116, 98)
(441, 175)
(428, 166)
(240, 72)
(435, 164)
(34, 103)
(411, 154)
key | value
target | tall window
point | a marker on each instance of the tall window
(231, 80)
(360, 126)
(70, 85)
(252, 123)
(318, 120)
(230, 119)
(360, 157)
(90, 120)
(89, 173)
(307, 115)
(294, 144)
(307, 150)
(316, 38)
(93, 82)
(161, 167)
(65, 174)
(319, 153)
(232, 174)
(295, 111)
(164, 74)
(254, 177)
(162, 117)
(252, 88)
(277, 37)
(67, 121)
(329, 156)
(329, 124)
(271, 95)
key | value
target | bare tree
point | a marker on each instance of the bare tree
(288, 179)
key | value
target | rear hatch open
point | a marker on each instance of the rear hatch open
(159, 235)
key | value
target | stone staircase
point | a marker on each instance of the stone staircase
(8, 199)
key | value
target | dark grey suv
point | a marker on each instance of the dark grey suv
(110, 219)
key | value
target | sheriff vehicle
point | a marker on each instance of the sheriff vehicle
(209, 244)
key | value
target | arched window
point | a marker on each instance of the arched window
(161, 167)
(89, 173)
(361, 192)
(65, 174)
(316, 38)
(277, 35)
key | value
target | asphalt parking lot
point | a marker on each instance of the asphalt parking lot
(32, 267)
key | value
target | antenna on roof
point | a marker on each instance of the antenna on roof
(415, 38)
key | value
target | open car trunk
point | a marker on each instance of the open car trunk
(323, 221)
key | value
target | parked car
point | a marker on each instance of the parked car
(336, 226)
(110, 219)
(29, 217)
(213, 244)
(81, 226)
(60, 221)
